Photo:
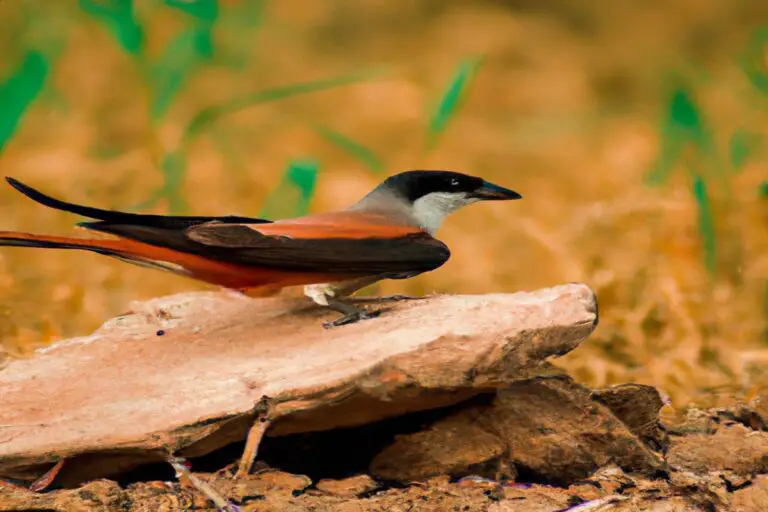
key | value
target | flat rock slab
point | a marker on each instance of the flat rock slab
(184, 373)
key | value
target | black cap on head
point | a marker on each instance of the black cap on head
(413, 185)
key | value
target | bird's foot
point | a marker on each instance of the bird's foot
(351, 318)
(387, 298)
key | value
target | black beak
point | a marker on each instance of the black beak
(491, 192)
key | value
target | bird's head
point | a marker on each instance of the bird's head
(423, 185)
(432, 195)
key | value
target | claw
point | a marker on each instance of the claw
(351, 318)
(387, 298)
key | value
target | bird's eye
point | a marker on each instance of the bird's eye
(455, 182)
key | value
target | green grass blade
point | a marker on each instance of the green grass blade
(682, 117)
(119, 17)
(353, 148)
(169, 73)
(19, 91)
(683, 110)
(706, 224)
(174, 167)
(206, 10)
(682, 125)
(742, 146)
(451, 98)
(765, 313)
(204, 40)
(240, 25)
(210, 115)
(753, 61)
(293, 194)
(764, 189)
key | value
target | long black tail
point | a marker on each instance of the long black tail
(116, 217)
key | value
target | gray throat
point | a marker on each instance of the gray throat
(427, 212)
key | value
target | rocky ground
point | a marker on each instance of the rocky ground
(416, 418)
(547, 444)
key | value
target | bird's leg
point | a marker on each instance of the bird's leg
(330, 295)
(387, 298)
(351, 313)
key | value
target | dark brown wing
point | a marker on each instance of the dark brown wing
(403, 254)
(302, 246)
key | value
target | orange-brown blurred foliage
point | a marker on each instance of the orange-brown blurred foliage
(565, 108)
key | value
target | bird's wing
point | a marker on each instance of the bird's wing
(343, 243)
(351, 248)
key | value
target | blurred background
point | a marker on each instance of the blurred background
(637, 131)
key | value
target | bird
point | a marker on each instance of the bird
(388, 234)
